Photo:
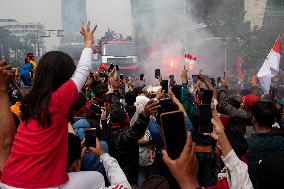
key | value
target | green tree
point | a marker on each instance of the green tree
(226, 20)
(9, 42)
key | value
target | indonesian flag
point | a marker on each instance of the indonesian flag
(239, 69)
(270, 67)
(189, 58)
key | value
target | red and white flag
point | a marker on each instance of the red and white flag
(270, 67)
(189, 58)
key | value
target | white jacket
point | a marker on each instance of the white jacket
(237, 172)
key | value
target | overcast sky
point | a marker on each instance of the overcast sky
(115, 14)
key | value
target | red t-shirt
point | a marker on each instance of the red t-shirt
(38, 157)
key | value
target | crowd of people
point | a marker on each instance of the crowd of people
(44, 141)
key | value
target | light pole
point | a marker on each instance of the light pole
(45, 34)
(37, 33)
(225, 56)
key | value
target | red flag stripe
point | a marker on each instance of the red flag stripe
(277, 46)
(190, 57)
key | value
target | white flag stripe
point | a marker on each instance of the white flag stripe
(265, 82)
(270, 67)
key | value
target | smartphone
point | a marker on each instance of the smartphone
(141, 77)
(157, 73)
(117, 68)
(172, 80)
(90, 137)
(165, 85)
(195, 78)
(218, 80)
(173, 132)
(204, 118)
(207, 96)
(121, 77)
(212, 81)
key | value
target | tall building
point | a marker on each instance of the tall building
(255, 10)
(142, 13)
(259, 12)
(73, 12)
(274, 12)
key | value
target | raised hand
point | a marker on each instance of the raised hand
(219, 134)
(223, 81)
(98, 150)
(254, 80)
(184, 76)
(88, 34)
(177, 102)
(218, 128)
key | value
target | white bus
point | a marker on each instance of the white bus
(119, 53)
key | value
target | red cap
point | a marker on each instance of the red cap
(250, 100)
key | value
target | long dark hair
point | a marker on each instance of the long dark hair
(54, 69)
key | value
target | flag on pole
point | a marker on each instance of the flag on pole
(239, 68)
(185, 56)
(270, 67)
(189, 58)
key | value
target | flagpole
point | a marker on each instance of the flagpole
(186, 29)
(225, 56)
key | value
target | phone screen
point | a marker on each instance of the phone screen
(121, 77)
(174, 132)
(204, 118)
(195, 78)
(165, 85)
(172, 80)
(157, 73)
(207, 96)
(90, 137)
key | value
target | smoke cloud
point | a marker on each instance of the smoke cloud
(162, 40)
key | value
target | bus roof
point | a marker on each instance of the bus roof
(118, 42)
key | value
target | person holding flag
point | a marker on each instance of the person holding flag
(270, 67)
(190, 59)
(31, 58)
